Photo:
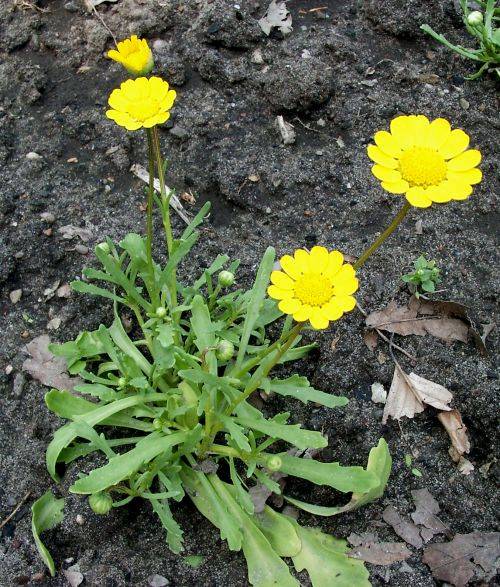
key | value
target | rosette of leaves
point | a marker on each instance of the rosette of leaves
(424, 278)
(170, 415)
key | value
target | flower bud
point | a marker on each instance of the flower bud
(122, 382)
(100, 503)
(104, 247)
(161, 312)
(157, 424)
(225, 350)
(226, 278)
(134, 54)
(274, 463)
(475, 18)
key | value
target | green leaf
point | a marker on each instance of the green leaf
(123, 342)
(207, 501)
(326, 561)
(241, 496)
(125, 465)
(135, 246)
(72, 453)
(94, 290)
(196, 221)
(379, 464)
(47, 512)
(280, 532)
(343, 479)
(265, 567)
(204, 332)
(97, 390)
(236, 432)
(258, 293)
(182, 249)
(194, 560)
(174, 531)
(165, 335)
(299, 388)
(428, 286)
(293, 434)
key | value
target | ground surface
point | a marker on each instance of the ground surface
(340, 76)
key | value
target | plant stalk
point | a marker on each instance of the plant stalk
(380, 240)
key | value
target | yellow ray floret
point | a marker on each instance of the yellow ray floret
(141, 103)
(315, 286)
(426, 161)
(134, 54)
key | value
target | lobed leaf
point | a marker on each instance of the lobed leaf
(47, 512)
(299, 388)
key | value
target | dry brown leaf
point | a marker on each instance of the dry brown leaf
(466, 557)
(46, 367)
(426, 508)
(370, 338)
(409, 394)
(457, 431)
(367, 548)
(412, 319)
(406, 530)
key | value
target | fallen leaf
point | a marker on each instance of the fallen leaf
(409, 394)
(412, 319)
(426, 508)
(157, 581)
(369, 549)
(64, 291)
(73, 575)
(286, 130)
(370, 338)
(91, 4)
(464, 466)
(69, 231)
(277, 15)
(379, 394)
(406, 530)
(487, 329)
(457, 431)
(46, 367)
(466, 557)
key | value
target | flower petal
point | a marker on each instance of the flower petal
(470, 177)
(318, 319)
(380, 157)
(421, 130)
(386, 174)
(456, 142)
(387, 143)
(402, 129)
(418, 198)
(332, 310)
(290, 306)
(346, 286)
(336, 258)
(282, 280)
(439, 131)
(302, 260)
(287, 263)
(275, 292)
(396, 187)
(318, 258)
(459, 191)
(465, 161)
(303, 313)
(345, 302)
(440, 193)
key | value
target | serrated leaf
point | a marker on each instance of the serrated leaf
(47, 512)
(236, 433)
(94, 290)
(124, 465)
(298, 387)
(174, 531)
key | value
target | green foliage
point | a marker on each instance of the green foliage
(424, 278)
(167, 407)
(46, 513)
(482, 27)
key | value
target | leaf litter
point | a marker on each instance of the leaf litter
(277, 16)
(460, 444)
(366, 547)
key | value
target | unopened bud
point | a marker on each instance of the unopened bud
(225, 350)
(100, 503)
(122, 382)
(157, 424)
(475, 18)
(226, 278)
(274, 463)
(161, 312)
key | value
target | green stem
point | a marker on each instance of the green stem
(387, 232)
(165, 198)
(149, 222)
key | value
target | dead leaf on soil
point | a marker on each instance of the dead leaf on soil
(468, 556)
(91, 4)
(421, 317)
(406, 530)
(426, 508)
(367, 548)
(370, 338)
(46, 367)
(69, 231)
(277, 15)
(286, 130)
(457, 431)
(409, 394)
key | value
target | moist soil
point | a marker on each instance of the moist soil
(340, 76)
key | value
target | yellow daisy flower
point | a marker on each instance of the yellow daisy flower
(427, 161)
(141, 103)
(315, 286)
(134, 54)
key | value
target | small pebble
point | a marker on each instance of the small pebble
(18, 384)
(80, 520)
(179, 132)
(82, 249)
(464, 103)
(15, 295)
(9, 369)
(32, 156)
(48, 217)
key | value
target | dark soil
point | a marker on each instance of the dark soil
(366, 62)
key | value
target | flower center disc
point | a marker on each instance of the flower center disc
(313, 289)
(421, 166)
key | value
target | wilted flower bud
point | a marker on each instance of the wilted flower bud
(104, 247)
(161, 312)
(226, 278)
(475, 18)
(100, 503)
(225, 350)
(134, 54)
(274, 463)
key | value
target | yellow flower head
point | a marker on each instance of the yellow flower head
(315, 286)
(141, 103)
(426, 161)
(134, 54)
